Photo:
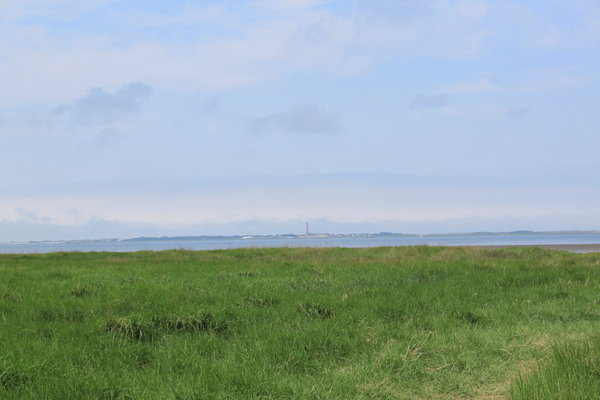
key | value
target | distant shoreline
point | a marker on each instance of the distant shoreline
(295, 236)
(571, 242)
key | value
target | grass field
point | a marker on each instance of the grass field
(297, 323)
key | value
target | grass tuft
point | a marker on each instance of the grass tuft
(12, 379)
(571, 371)
(314, 310)
(136, 328)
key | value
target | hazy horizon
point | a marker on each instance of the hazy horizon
(312, 235)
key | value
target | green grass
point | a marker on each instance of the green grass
(296, 323)
(572, 371)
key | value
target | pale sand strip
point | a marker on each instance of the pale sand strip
(573, 248)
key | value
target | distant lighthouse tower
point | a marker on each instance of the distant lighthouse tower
(307, 229)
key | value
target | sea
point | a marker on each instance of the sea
(360, 241)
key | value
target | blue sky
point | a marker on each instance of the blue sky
(124, 118)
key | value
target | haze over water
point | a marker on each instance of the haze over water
(468, 240)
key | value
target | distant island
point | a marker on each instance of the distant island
(304, 236)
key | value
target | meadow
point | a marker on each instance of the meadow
(296, 323)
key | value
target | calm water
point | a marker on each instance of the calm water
(489, 240)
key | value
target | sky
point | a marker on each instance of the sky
(127, 118)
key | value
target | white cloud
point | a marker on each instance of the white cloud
(569, 24)
(191, 15)
(245, 49)
(472, 9)
(431, 28)
(556, 78)
(102, 107)
(300, 119)
(97, 116)
(325, 40)
(288, 4)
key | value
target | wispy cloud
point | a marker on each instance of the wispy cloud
(515, 113)
(444, 104)
(300, 119)
(430, 102)
(99, 117)
(241, 47)
(209, 103)
(571, 24)
(452, 100)
(190, 15)
(102, 107)
(287, 4)
(488, 82)
(396, 12)
(483, 111)
(243, 44)
(106, 137)
(28, 215)
(556, 78)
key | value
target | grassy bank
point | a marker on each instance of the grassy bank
(379, 323)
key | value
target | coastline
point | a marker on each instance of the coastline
(573, 248)
(575, 243)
